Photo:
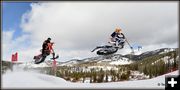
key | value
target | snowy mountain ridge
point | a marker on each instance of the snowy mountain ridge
(115, 59)
(118, 59)
(150, 53)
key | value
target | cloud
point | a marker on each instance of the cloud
(6, 40)
(20, 44)
(78, 27)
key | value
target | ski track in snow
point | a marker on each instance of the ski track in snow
(30, 79)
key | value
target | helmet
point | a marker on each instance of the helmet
(49, 39)
(118, 29)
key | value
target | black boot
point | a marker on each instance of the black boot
(53, 55)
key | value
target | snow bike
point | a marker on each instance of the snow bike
(110, 49)
(41, 57)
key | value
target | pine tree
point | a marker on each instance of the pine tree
(84, 77)
(106, 78)
(101, 75)
(94, 77)
(58, 74)
(162, 67)
(91, 79)
(174, 57)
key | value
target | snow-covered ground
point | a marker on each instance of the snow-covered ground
(32, 65)
(32, 79)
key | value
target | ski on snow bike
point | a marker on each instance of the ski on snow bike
(110, 49)
(41, 57)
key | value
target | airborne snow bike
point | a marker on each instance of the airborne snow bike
(110, 49)
(41, 57)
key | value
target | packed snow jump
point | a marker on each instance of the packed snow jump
(117, 41)
(46, 50)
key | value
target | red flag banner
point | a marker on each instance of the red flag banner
(14, 57)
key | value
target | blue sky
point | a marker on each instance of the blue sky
(12, 13)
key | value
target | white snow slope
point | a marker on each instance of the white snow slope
(28, 79)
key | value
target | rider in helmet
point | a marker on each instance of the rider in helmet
(117, 35)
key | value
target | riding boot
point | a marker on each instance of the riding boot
(53, 55)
